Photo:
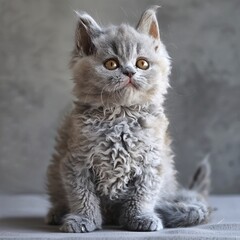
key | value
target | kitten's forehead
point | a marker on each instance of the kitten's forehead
(123, 41)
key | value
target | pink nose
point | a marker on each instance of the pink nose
(128, 72)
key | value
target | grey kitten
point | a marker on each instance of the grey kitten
(113, 161)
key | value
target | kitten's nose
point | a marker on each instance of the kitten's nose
(128, 71)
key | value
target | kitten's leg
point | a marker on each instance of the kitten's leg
(85, 215)
(138, 215)
(56, 193)
(55, 215)
(55, 186)
(189, 207)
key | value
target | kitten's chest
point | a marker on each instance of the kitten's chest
(119, 143)
(120, 151)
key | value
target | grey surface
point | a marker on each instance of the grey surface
(36, 38)
(21, 217)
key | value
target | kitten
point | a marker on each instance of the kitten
(113, 161)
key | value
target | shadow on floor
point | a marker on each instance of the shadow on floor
(26, 224)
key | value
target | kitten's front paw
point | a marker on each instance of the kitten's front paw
(143, 223)
(77, 224)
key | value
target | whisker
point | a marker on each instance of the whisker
(102, 97)
(114, 93)
(85, 99)
(104, 87)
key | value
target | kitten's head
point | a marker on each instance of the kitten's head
(120, 65)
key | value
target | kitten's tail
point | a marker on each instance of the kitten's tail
(201, 179)
(188, 207)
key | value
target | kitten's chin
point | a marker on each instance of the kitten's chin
(131, 84)
(126, 85)
(129, 95)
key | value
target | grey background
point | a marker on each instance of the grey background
(36, 38)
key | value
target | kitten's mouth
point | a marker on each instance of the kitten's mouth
(130, 83)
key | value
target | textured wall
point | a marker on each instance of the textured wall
(203, 105)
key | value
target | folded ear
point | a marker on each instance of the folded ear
(148, 23)
(87, 29)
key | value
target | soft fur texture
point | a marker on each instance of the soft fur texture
(113, 161)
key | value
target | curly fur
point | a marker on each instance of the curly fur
(113, 161)
(118, 148)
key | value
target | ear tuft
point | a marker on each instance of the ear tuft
(87, 29)
(148, 23)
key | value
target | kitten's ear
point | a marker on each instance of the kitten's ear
(87, 29)
(148, 24)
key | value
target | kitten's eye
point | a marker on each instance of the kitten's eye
(142, 64)
(111, 64)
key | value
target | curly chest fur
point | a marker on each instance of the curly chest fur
(120, 153)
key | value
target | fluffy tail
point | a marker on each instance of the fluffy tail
(188, 207)
(201, 179)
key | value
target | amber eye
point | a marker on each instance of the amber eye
(142, 64)
(111, 64)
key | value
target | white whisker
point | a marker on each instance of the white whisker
(102, 101)
(85, 99)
